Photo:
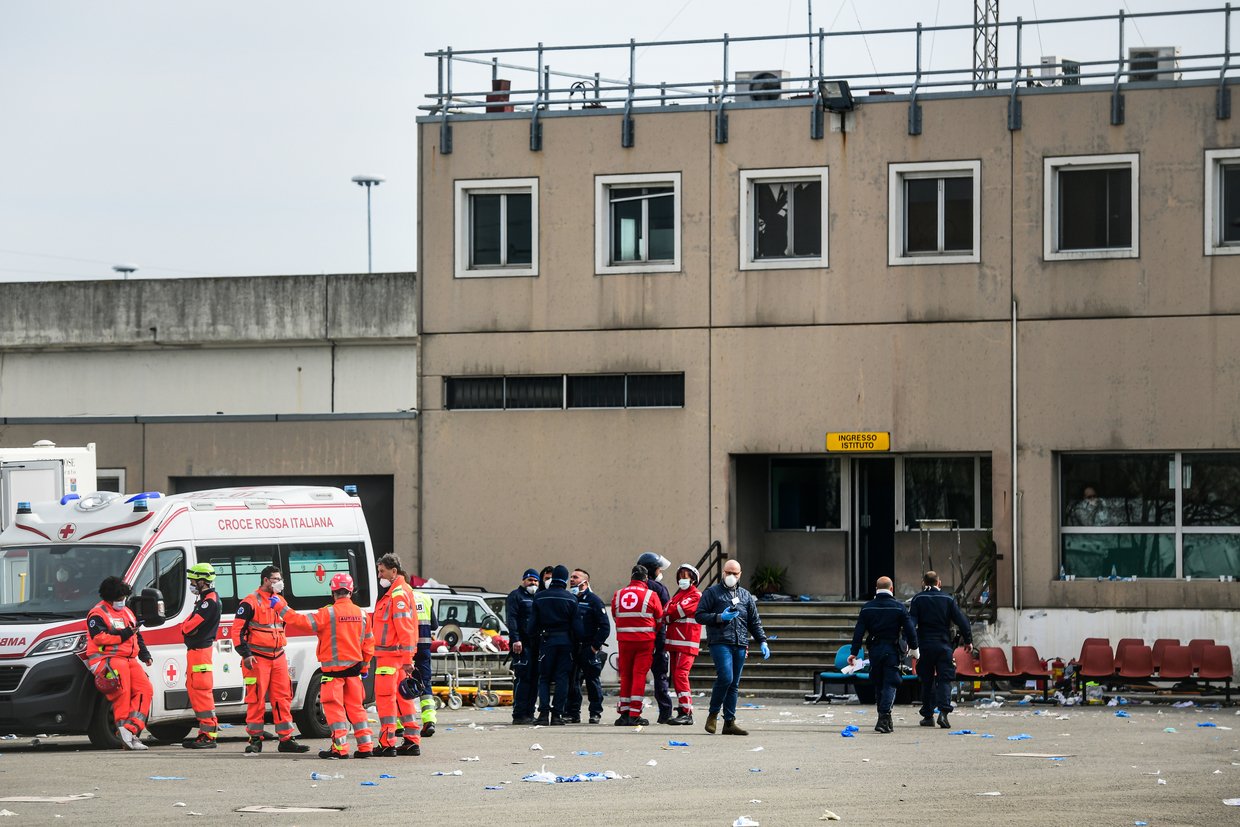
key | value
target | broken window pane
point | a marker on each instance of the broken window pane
(807, 218)
(771, 223)
(787, 220)
(1095, 209)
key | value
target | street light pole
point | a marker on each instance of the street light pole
(368, 181)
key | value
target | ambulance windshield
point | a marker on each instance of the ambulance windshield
(56, 580)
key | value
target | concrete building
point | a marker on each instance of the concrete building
(647, 323)
(195, 383)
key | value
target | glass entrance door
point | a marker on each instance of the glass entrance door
(873, 532)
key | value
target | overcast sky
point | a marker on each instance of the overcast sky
(218, 137)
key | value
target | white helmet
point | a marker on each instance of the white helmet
(696, 577)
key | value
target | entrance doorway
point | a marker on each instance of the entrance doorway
(873, 547)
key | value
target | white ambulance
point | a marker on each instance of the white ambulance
(54, 556)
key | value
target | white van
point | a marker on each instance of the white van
(54, 555)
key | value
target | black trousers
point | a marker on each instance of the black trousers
(587, 666)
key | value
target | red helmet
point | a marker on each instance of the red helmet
(341, 581)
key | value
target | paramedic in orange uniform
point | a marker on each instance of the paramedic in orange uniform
(346, 646)
(637, 610)
(113, 654)
(199, 630)
(396, 636)
(258, 637)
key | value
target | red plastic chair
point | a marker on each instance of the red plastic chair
(1216, 666)
(966, 669)
(1124, 644)
(1097, 661)
(1161, 644)
(993, 664)
(1091, 641)
(1136, 663)
(1176, 663)
(1196, 647)
(1028, 666)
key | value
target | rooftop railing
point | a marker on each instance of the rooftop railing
(464, 86)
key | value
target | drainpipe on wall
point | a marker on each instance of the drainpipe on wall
(1016, 602)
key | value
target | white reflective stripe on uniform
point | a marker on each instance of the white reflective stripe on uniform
(633, 614)
(691, 644)
(646, 600)
(620, 629)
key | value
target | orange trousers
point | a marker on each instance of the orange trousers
(131, 703)
(268, 680)
(342, 704)
(201, 685)
(393, 708)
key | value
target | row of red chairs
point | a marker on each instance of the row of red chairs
(1196, 648)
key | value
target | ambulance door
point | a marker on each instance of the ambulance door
(238, 573)
(164, 569)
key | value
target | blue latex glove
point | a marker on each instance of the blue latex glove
(728, 615)
(766, 651)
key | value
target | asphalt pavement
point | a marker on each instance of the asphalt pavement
(1077, 766)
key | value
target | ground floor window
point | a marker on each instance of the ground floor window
(805, 493)
(1156, 514)
(948, 488)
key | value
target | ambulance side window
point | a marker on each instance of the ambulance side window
(238, 571)
(165, 570)
(308, 570)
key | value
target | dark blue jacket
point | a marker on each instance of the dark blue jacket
(664, 597)
(551, 617)
(591, 625)
(735, 632)
(934, 611)
(883, 619)
(517, 610)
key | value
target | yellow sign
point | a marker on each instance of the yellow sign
(859, 441)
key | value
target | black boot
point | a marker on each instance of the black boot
(428, 729)
(943, 722)
(884, 725)
(683, 719)
(559, 720)
(543, 719)
(201, 742)
(623, 720)
(409, 748)
(927, 720)
(291, 745)
(332, 754)
(255, 745)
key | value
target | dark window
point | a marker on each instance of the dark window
(805, 492)
(1211, 489)
(643, 224)
(1095, 209)
(986, 483)
(500, 229)
(787, 219)
(940, 488)
(596, 391)
(656, 390)
(1230, 208)
(938, 215)
(534, 392)
(309, 567)
(1117, 489)
(474, 393)
(165, 570)
(238, 571)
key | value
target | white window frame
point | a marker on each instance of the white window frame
(461, 224)
(117, 473)
(1050, 208)
(1216, 159)
(750, 177)
(897, 174)
(602, 222)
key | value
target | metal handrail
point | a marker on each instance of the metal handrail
(916, 82)
(710, 565)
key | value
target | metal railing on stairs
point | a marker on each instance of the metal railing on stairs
(710, 565)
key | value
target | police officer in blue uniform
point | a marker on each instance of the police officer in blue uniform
(590, 630)
(934, 611)
(524, 668)
(882, 620)
(551, 621)
(654, 565)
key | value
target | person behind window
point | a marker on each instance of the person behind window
(1090, 510)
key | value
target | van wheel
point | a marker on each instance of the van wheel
(311, 722)
(102, 729)
(173, 732)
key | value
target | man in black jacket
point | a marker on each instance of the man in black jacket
(524, 664)
(934, 611)
(883, 619)
(551, 623)
(590, 631)
(730, 615)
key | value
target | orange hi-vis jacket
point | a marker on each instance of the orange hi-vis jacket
(106, 644)
(261, 631)
(636, 609)
(395, 627)
(345, 639)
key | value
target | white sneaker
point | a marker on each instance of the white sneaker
(129, 740)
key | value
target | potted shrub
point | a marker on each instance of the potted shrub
(768, 579)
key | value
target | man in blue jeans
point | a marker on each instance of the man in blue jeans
(730, 615)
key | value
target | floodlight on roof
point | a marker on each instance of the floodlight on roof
(836, 96)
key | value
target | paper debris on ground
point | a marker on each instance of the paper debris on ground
(1232, 802)
(270, 808)
(757, 749)
(7, 813)
(454, 772)
(827, 815)
(991, 793)
(1162, 781)
(744, 821)
(535, 746)
(1034, 755)
(652, 763)
(48, 799)
(467, 758)
(545, 777)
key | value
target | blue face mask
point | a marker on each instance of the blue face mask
(575, 590)
(118, 604)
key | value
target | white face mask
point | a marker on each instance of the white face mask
(532, 589)
(547, 583)
(193, 587)
(575, 590)
(277, 586)
(658, 576)
(730, 580)
(118, 604)
(384, 582)
(684, 583)
(62, 576)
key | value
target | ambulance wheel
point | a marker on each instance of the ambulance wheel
(102, 729)
(170, 733)
(455, 701)
(311, 722)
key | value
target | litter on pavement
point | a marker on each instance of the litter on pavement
(47, 799)
(454, 772)
(545, 777)
(744, 821)
(827, 815)
(1024, 736)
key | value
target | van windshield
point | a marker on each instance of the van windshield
(54, 581)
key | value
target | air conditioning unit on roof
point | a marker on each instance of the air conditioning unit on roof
(760, 85)
(1062, 70)
(1148, 63)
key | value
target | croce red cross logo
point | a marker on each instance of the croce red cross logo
(628, 601)
(320, 573)
(67, 531)
(171, 672)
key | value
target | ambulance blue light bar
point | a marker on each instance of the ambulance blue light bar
(68, 498)
(23, 508)
(145, 495)
(351, 490)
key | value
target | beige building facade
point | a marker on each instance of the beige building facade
(1034, 316)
